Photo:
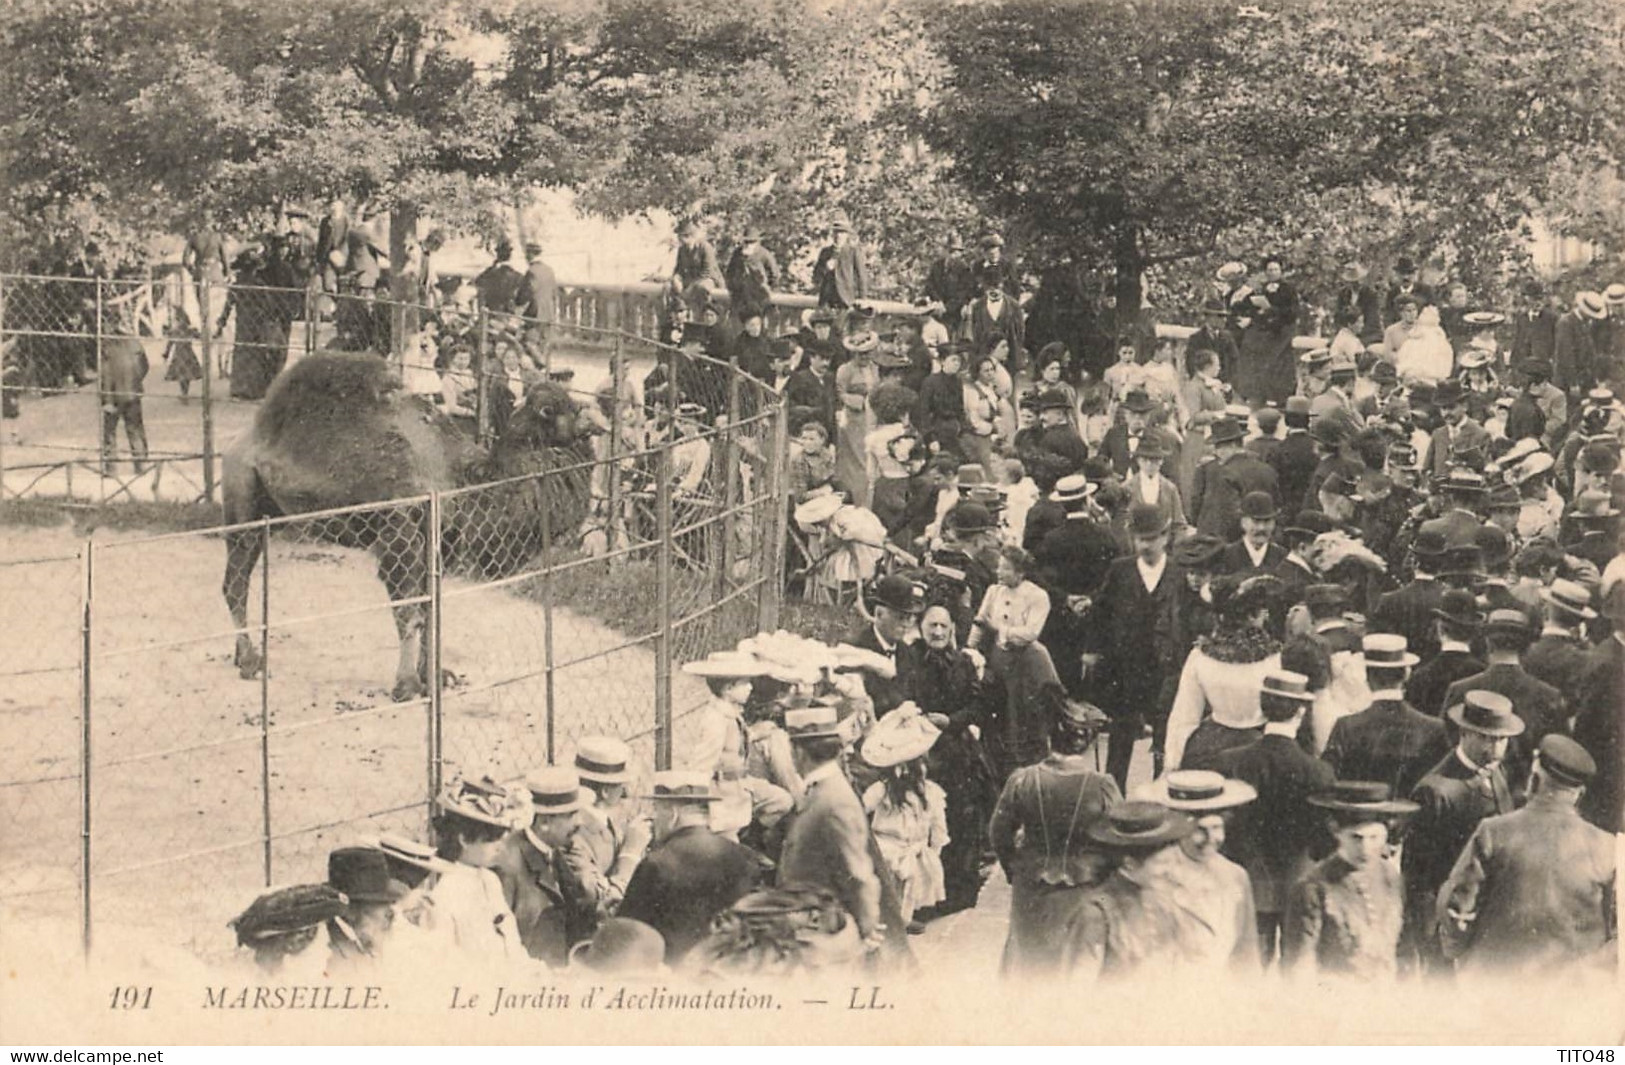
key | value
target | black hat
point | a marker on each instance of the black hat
(362, 874)
(1326, 596)
(1138, 401)
(290, 909)
(1494, 545)
(1566, 760)
(1431, 540)
(1536, 369)
(1226, 431)
(1404, 265)
(1488, 713)
(901, 594)
(1152, 446)
(1460, 607)
(1147, 519)
(1260, 506)
(1199, 551)
(1309, 524)
(971, 517)
(1449, 392)
(1359, 801)
(1053, 399)
(1140, 826)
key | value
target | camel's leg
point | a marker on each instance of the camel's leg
(242, 554)
(401, 567)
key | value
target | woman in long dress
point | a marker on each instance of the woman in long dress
(856, 378)
(1205, 398)
(1040, 831)
(1216, 705)
(907, 810)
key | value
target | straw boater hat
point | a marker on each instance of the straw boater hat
(901, 736)
(1286, 684)
(1483, 319)
(1140, 826)
(1591, 305)
(1072, 488)
(1614, 295)
(409, 852)
(1384, 650)
(1571, 597)
(554, 790)
(603, 760)
(1196, 791)
(1231, 271)
(682, 785)
(812, 722)
(1359, 801)
(1488, 713)
(736, 664)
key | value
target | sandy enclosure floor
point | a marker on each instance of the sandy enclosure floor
(177, 739)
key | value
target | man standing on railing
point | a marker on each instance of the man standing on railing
(498, 284)
(841, 275)
(752, 274)
(697, 273)
(538, 301)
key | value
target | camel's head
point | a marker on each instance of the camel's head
(546, 417)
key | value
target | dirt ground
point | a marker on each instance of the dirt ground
(177, 815)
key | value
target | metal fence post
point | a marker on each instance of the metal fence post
(729, 477)
(547, 618)
(104, 438)
(265, 691)
(313, 317)
(663, 648)
(777, 527)
(3, 387)
(88, 598)
(614, 533)
(432, 548)
(207, 391)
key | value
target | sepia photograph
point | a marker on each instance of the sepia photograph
(811, 522)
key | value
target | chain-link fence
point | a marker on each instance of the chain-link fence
(184, 749)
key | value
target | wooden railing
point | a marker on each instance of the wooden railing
(637, 308)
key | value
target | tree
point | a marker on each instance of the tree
(1150, 133)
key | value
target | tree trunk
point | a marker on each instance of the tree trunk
(403, 283)
(1129, 263)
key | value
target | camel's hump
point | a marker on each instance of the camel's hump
(323, 389)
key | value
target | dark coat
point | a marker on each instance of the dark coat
(1534, 336)
(539, 295)
(698, 263)
(1294, 462)
(1540, 886)
(1114, 446)
(986, 332)
(1219, 487)
(1234, 559)
(1432, 679)
(1074, 557)
(1365, 305)
(1560, 661)
(1271, 835)
(1387, 741)
(1447, 440)
(951, 281)
(887, 695)
(532, 883)
(1453, 799)
(1539, 705)
(1222, 344)
(1408, 612)
(1574, 354)
(1525, 419)
(498, 287)
(841, 275)
(685, 881)
(941, 413)
(751, 276)
(807, 390)
(1131, 629)
(1045, 516)
(1600, 707)
(1067, 447)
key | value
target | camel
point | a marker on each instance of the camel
(337, 430)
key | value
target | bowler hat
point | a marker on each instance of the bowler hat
(1226, 431)
(621, 946)
(1196, 791)
(685, 785)
(1152, 446)
(554, 790)
(1072, 488)
(1486, 712)
(1571, 597)
(1359, 801)
(1308, 524)
(1459, 607)
(286, 910)
(1298, 405)
(1383, 372)
(812, 722)
(1198, 552)
(896, 592)
(1147, 519)
(362, 874)
(1259, 506)
(971, 518)
(1449, 392)
(1385, 650)
(1138, 826)
(1138, 401)
(1567, 761)
(1431, 540)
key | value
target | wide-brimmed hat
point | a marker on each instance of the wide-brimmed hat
(735, 664)
(1072, 488)
(1054, 399)
(285, 910)
(1147, 519)
(362, 874)
(1486, 712)
(1564, 759)
(485, 801)
(1592, 504)
(1308, 524)
(1460, 607)
(1533, 466)
(603, 760)
(1571, 597)
(901, 736)
(1385, 650)
(1473, 359)
(1196, 791)
(1449, 392)
(1225, 431)
(971, 518)
(1139, 826)
(554, 790)
(682, 785)
(621, 946)
(1152, 446)
(1231, 271)
(1316, 358)
(1358, 801)
(1285, 684)
(408, 852)
(897, 592)
(1591, 305)
(1138, 401)
(865, 340)
(1483, 319)
(812, 722)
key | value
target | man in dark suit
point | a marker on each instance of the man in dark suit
(1466, 786)
(1457, 434)
(1264, 446)
(1507, 634)
(951, 280)
(1358, 302)
(1559, 655)
(1220, 485)
(1534, 328)
(1122, 440)
(696, 259)
(1574, 347)
(1388, 741)
(1073, 560)
(1256, 552)
(898, 601)
(1408, 611)
(841, 275)
(995, 316)
(538, 300)
(1271, 836)
(1131, 633)
(1405, 284)
(813, 387)
(533, 870)
(1294, 461)
(1457, 618)
(1056, 437)
(691, 874)
(1599, 709)
(498, 284)
(1294, 571)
